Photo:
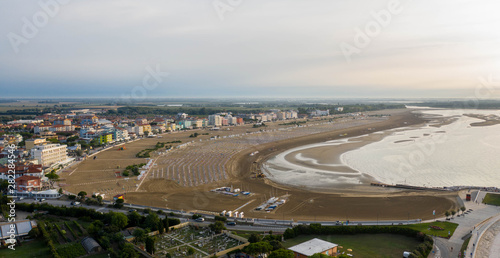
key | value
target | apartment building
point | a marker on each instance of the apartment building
(49, 154)
(215, 120)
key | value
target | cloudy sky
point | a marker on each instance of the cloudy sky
(253, 48)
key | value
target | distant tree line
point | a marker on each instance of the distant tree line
(465, 104)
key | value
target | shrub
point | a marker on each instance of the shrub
(220, 218)
(71, 250)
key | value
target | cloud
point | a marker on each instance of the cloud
(278, 48)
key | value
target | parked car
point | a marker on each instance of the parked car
(200, 219)
(231, 223)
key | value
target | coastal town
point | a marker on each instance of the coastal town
(249, 129)
(51, 142)
(127, 163)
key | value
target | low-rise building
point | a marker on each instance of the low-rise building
(28, 184)
(22, 169)
(320, 113)
(314, 246)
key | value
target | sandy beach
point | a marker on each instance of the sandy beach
(178, 183)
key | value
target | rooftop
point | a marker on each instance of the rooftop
(312, 246)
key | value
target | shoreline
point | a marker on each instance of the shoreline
(360, 202)
(404, 118)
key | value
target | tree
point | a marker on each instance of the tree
(150, 245)
(462, 209)
(82, 194)
(52, 175)
(165, 224)
(119, 220)
(60, 191)
(281, 253)
(254, 238)
(34, 233)
(319, 255)
(118, 203)
(289, 233)
(5, 184)
(127, 251)
(95, 227)
(453, 212)
(152, 221)
(258, 248)
(447, 214)
(217, 227)
(161, 228)
(276, 245)
(139, 235)
(105, 242)
(190, 250)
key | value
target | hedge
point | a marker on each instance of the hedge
(71, 230)
(62, 234)
(78, 226)
(71, 250)
(48, 240)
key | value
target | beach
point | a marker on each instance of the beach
(182, 179)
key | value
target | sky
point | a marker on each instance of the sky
(250, 48)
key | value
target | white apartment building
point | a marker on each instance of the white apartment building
(215, 120)
(138, 130)
(49, 154)
(281, 115)
(320, 113)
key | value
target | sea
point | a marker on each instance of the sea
(432, 155)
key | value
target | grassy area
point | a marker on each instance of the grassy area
(426, 228)
(492, 199)
(365, 245)
(36, 248)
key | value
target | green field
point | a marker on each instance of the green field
(36, 248)
(365, 245)
(492, 199)
(426, 229)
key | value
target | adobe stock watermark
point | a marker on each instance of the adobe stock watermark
(485, 89)
(150, 81)
(40, 19)
(222, 7)
(11, 191)
(363, 37)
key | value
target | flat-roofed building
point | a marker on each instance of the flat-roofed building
(49, 154)
(314, 246)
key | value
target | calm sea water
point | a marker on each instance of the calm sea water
(451, 155)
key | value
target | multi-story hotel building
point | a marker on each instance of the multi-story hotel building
(49, 154)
